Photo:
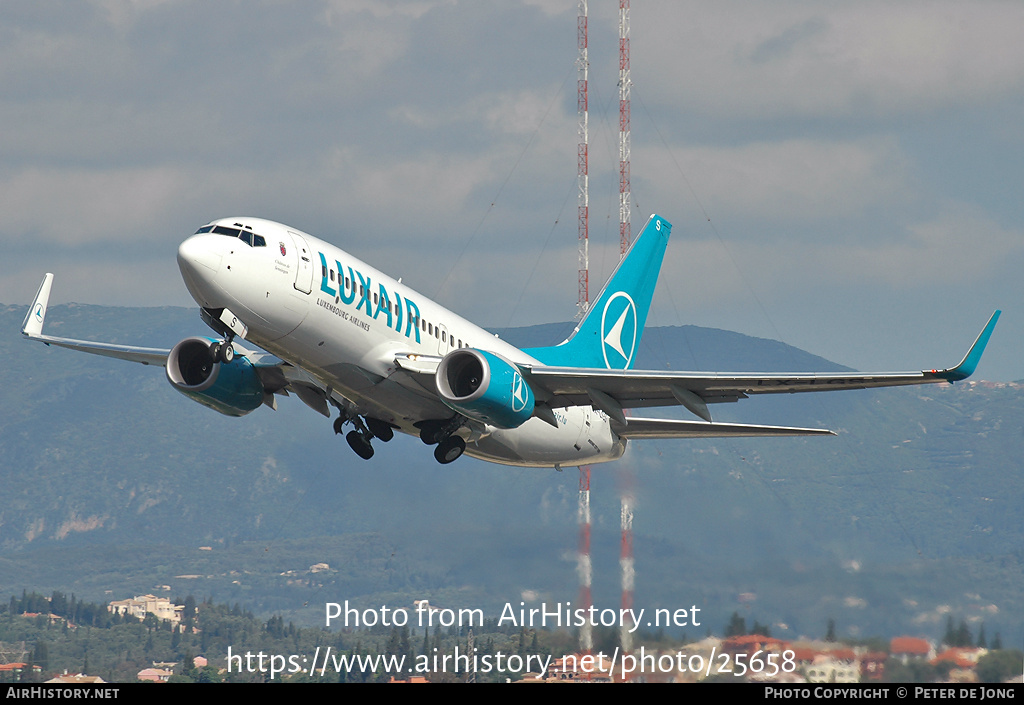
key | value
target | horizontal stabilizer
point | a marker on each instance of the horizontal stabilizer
(670, 428)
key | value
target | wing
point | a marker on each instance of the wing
(32, 328)
(276, 375)
(615, 390)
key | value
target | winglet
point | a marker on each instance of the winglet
(33, 325)
(967, 366)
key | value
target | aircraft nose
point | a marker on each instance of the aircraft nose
(199, 260)
(196, 252)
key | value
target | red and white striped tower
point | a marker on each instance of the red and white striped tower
(583, 565)
(628, 573)
(625, 232)
(582, 163)
(625, 238)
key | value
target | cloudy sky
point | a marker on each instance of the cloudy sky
(846, 177)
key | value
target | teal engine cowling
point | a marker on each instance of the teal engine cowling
(484, 387)
(232, 388)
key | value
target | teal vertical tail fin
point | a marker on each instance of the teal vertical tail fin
(609, 335)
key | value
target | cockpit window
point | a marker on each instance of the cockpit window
(246, 236)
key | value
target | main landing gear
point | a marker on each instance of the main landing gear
(366, 429)
(450, 449)
(449, 446)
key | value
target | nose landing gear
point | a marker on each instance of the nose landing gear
(222, 351)
(227, 324)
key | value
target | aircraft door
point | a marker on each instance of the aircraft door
(444, 340)
(304, 272)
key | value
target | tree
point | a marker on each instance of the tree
(737, 626)
(963, 635)
(41, 656)
(188, 614)
(949, 638)
(830, 632)
(997, 666)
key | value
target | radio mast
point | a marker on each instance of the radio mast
(625, 232)
(583, 565)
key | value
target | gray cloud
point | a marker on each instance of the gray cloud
(829, 144)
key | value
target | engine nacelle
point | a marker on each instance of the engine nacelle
(232, 388)
(484, 387)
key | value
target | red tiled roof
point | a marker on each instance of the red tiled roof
(909, 645)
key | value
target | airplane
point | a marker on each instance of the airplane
(336, 332)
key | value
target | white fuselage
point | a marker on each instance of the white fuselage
(344, 323)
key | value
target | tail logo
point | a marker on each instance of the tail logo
(618, 331)
(39, 312)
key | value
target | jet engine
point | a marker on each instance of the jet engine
(232, 388)
(485, 387)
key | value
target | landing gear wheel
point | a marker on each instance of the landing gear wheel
(360, 445)
(450, 449)
(222, 351)
(430, 432)
(380, 429)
